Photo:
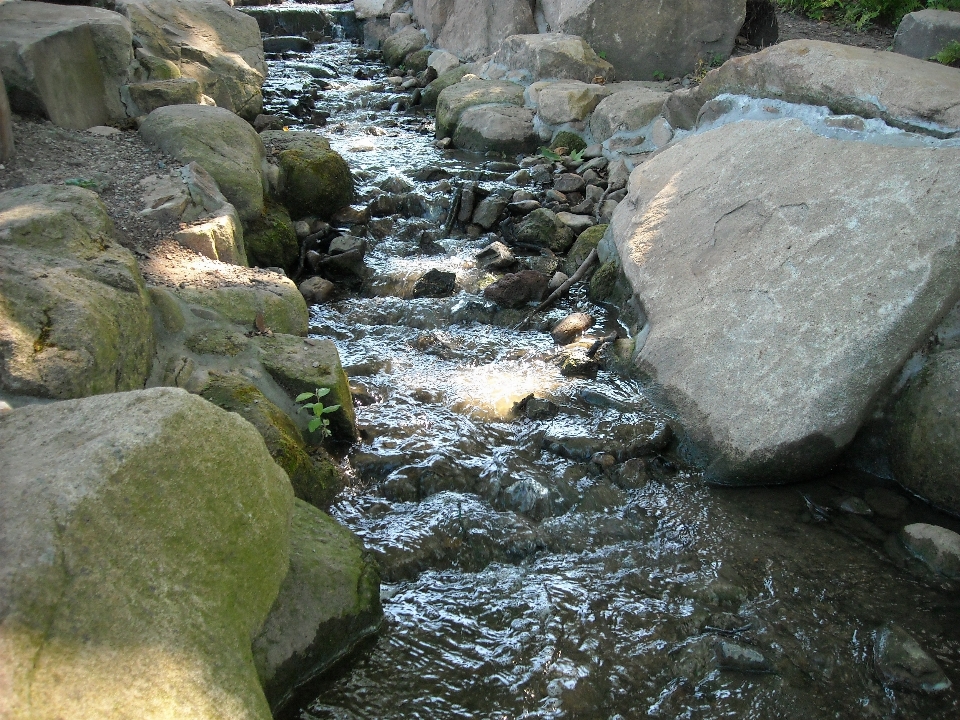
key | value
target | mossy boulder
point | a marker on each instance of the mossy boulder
(74, 312)
(603, 284)
(585, 242)
(543, 228)
(144, 540)
(302, 365)
(213, 340)
(315, 480)
(329, 601)
(224, 144)
(455, 99)
(432, 91)
(396, 47)
(417, 60)
(569, 140)
(314, 180)
(271, 240)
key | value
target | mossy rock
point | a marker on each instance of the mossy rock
(271, 240)
(397, 47)
(149, 533)
(432, 91)
(166, 310)
(74, 311)
(315, 479)
(454, 100)
(417, 60)
(569, 140)
(585, 242)
(302, 365)
(609, 284)
(329, 601)
(217, 341)
(543, 228)
(314, 180)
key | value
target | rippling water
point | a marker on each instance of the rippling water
(522, 584)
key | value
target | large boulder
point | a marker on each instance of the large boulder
(472, 29)
(785, 279)
(271, 241)
(553, 56)
(143, 98)
(565, 101)
(219, 141)
(74, 313)
(376, 8)
(924, 33)
(644, 37)
(207, 40)
(65, 63)
(904, 92)
(314, 180)
(925, 436)
(627, 111)
(143, 539)
(396, 47)
(329, 601)
(454, 100)
(496, 128)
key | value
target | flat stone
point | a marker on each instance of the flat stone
(577, 223)
(731, 656)
(627, 111)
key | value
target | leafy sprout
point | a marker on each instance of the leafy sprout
(550, 154)
(319, 420)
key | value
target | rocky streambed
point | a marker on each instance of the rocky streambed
(544, 550)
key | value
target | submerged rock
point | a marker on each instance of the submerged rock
(517, 289)
(901, 662)
(731, 656)
(936, 546)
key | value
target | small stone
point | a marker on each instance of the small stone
(936, 546)
(529, 498)
(103, 130)
(604, 460)
(352, 215)
(302, 229)
(520, 178)
(346, 243)
(524, 207)
(316, 289)
(731, 656)
(577, 223)
(488, 211)
(576, 363)
(856, 506)
(435, 283)
(569, 182)
(901, 662)
(5, 408)
(495, 256)
(522, 196)
(517, 289)
(557, 280)
(571, 327)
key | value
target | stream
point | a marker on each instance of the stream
(562, 562)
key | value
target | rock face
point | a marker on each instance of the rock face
(785, 278)
(473, 29)
(902, 91)
(135, 569)
(553, 55)
(497, 128)
(643, 37)
(925, 439)
(74, 313)
(328, 602)
(223, 144)
(65, 63)
(314, 180)
(455, 99)
(207, 40)
(924, 33)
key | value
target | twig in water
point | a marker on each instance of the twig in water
(581, 271)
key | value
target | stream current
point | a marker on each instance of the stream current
(522, 580)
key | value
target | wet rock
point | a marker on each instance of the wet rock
(936, 546)
(820, 398)
(571, 327)
(586, 241)
(544, 229)
(316, 289)
(731, 656)
(396, 47)
(557, 280)
(348, 267)
(632, 474)
(604, 460)
(886, 503)
(347, 243)
(524, 207)
(517, 289)
(456, 99)
(286, 43)
(435, 284)
(901, 662)
(496, 128)
(577, 223)
(520, 177)
(569, 182)
(468, 201)
(576, 363)
(856, 506)
(626, 111)
(495, 256)
(621, 440)
(528, 497)
(553, 55)
(351, 215)
(488, 211)
(535, 408)
(924, 33)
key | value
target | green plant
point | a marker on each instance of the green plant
(550, 154)
(602, 54)
(577, 155)
(659, 76)
(949, 55)
(318, 421)
(860, 13)
(717, 60)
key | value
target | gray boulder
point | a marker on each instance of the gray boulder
(566, 101)
(472, 29)
(643, 37)
(553, 55)
(144, 97)
(924, 33)
(498, 128)
(219, 141)
(904, 92)
(376, 8)
(328, 602)
(937, 547)
(626, 111)
(779, 305)
(924, 440)
(137, 566)
(396, 47)
(74, 312)
(65, 63)
(207, 40)
(454, 100)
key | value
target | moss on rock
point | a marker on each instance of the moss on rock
(271, 240)
(585, 242)
(569, 140)
(432, 91)
(217, 341)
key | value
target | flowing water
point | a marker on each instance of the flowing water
(521, 579)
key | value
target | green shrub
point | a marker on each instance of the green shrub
(950, 55)
(860, 13)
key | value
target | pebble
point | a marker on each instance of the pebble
(569, 182)
(936, 546)
(731, 656)
(5, 406)
(901, 662)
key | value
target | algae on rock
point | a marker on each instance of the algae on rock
(271, 240)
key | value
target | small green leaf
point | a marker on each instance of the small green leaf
(303, 396)
(308, 406)
(322, 391)
(314, 424)
(331, 409)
